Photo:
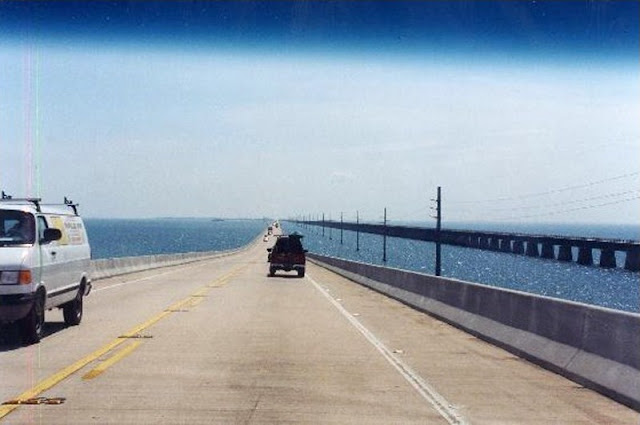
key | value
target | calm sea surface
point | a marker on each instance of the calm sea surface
(612, 288)
(124, 237)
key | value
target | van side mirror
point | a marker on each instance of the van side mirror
(51, 235)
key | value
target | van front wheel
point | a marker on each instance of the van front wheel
(72, 311)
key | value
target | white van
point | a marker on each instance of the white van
(44, 263)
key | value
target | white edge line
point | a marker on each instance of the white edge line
(142, 278)
(418, 383)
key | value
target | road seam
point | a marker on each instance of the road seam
(442, 406)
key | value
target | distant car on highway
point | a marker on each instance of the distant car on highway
(265, 238)
(287, 254)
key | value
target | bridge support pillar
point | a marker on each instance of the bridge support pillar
(532, 249)
(632, 262)
(607, 258)
(518, 247)
(585, 256)
(565, 253)
(505, 245)
(547, 250)
(462, 241)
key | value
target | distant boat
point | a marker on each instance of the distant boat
(217, 219)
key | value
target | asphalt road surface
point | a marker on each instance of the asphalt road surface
(221, 342)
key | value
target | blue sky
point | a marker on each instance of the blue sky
(142, 109)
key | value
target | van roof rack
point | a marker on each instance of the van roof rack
(9, 198)
(37, 202)
(68, 202)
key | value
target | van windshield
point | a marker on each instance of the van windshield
(16, 228)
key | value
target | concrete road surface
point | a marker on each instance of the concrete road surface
(221, 342)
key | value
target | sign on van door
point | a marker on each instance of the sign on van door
(73, 237)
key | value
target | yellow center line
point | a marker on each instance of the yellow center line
(219, 283)
(73, 368)
(202, 292)
(57, 377)
(98, 370)
(60, 375)
(195, 301)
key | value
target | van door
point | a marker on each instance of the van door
(77, 252)
(51, 265)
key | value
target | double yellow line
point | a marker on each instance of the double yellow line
(99, 370)
(191, 301)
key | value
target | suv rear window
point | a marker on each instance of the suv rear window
(288, 244)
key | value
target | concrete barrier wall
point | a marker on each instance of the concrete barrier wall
(596, 347)
(109, 267)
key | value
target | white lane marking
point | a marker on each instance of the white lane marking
(198, 263)
(145, 278)
(443, 407)
(128, 282)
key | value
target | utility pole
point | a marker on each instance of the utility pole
(341, 223)
(357, 231)
(384, 238)
(438, 218)
(322, 224)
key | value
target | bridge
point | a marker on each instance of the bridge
(216, 340)
(560, 248)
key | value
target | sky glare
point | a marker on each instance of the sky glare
(520, 111)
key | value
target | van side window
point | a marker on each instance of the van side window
(42, 224)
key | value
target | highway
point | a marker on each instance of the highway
(218, 341)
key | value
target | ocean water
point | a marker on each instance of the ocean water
(111, 238)
(612, 288)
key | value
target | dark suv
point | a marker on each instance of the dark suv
(287, 254)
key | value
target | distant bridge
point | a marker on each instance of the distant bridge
(543, 246)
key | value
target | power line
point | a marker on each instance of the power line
(548, 192)
(419, 210)
(561, 204)
(586, 207)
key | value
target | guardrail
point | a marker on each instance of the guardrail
(109, 267)
(596, 347)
